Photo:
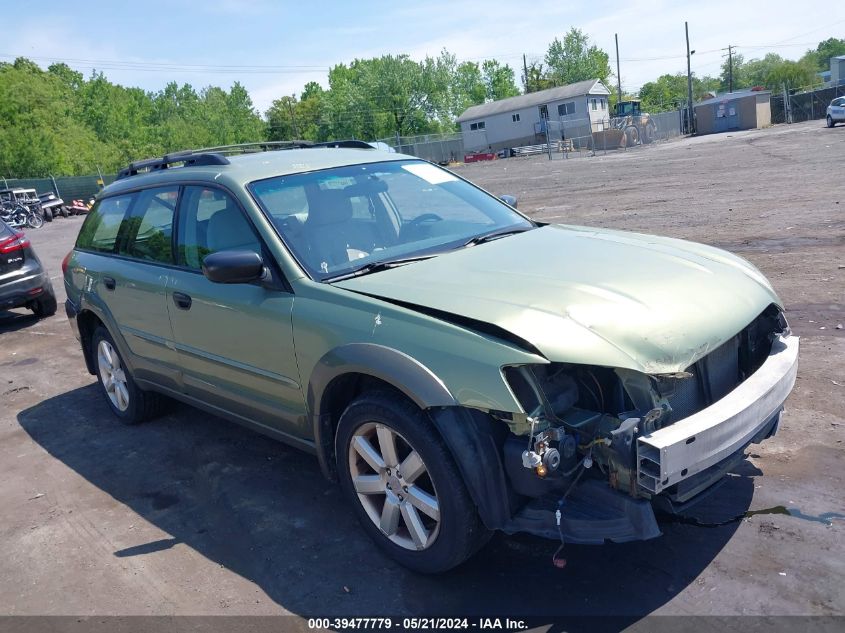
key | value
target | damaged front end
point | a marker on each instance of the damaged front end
(600, 447)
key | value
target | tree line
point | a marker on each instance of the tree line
(58, 122)
(771, 72)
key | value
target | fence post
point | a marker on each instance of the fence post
(55, 186)
(787, 109)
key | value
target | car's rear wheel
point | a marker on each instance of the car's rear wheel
(45, 306)
(830, 121)
(127, 401)
(48, 215)
(404, 485)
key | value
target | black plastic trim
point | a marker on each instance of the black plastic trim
(468, 434)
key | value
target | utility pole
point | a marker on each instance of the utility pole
(525, 69)
(293, 116)
(618, 73)
(730, 69)
(690, 127)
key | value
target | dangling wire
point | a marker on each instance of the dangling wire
(560, 563)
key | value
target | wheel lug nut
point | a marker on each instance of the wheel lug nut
(405, 488)
(401, 497)
(389, 487)
(388, 472)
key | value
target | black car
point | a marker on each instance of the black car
(23, 280)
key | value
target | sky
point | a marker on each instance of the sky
(274, 48)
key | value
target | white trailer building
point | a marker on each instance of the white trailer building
(522, 120)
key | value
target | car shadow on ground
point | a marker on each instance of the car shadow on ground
(263, 510)
(12, 321)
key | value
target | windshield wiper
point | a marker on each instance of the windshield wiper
(489, 237)
(374, 267)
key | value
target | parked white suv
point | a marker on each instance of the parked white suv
(836, 112)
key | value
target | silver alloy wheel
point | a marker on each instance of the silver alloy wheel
(112, 375)
(394, 486)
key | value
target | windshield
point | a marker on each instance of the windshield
(340, 220)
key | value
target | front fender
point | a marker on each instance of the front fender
(396, 368)
(407, 374)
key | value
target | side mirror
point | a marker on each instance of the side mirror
(233, 267)
(511, 200)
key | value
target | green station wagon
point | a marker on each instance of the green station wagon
(458, 367)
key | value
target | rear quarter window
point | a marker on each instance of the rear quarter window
(99, 232)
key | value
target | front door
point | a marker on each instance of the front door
(235, 341)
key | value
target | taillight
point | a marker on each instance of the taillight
(65, 262)
(17, 242)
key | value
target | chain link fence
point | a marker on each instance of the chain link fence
(804, 106)
(437, 148)
(68, 188)
(580, 137)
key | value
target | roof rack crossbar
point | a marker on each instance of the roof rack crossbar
(217, 155)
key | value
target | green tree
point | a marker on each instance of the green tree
(669, 92)
(537, 78)
(798, 74)
(771, 72)
(281, 119)
(576, 59)
(733, 72)
(468, 87)
(819, 58)
(499, 80)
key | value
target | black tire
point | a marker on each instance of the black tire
(48, 215)
(830, 121)
(142, 405)
(460, 532)
(65, 213)
(45, 306)
(34, 220)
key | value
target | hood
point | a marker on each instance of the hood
(590, 296)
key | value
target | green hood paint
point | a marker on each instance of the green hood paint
(591, 296)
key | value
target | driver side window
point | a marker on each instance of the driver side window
(211, 221)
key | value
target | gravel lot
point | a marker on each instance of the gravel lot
(191, 515)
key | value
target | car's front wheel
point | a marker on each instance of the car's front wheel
(127, 401)
(830, 121)
(404, 485)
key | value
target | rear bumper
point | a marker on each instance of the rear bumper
(708, 438)
(19, 291)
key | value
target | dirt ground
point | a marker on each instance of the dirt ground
(191, 515)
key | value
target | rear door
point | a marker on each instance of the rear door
(146, 250)
(235, 341)
(128, 239)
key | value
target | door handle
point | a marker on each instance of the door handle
(182, 300)
(109, 283)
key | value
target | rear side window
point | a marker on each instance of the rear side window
(99, 232)
(149, 230)
(211, 221)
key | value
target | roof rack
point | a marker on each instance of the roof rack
(217, 155)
